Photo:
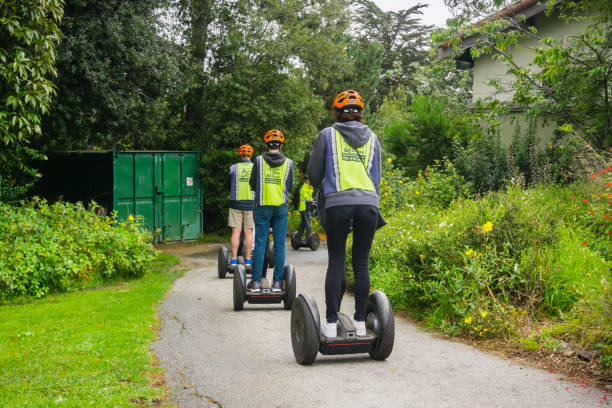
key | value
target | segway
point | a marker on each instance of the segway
(286, 295)
(306, 327)
(313, 241)
(224, 259)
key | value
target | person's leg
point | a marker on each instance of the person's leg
(338, 228)
(262, 221)
(248, 226)
(308, 219)
(235, 240)
(364, 227)
(279, 233)
(248, 241)
(302, 225)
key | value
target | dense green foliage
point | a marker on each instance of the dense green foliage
(490, 266)
(29, 34)
(89, 348)
(51, 248)
(116, 78)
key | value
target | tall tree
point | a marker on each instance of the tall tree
(248, 81)
(468, 10)
(28, 37)
(403, 38)
(115, 73)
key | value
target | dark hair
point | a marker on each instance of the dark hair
(347, 117)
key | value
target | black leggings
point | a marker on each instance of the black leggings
(365, 219)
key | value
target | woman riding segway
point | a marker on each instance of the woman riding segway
(345, 164)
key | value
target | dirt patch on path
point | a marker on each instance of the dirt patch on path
(192, 254)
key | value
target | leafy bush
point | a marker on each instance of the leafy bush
(47, 248)
(482, 162)
(485, 267)
(426, 135)
(437, 186)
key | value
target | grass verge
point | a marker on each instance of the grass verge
(86, 348)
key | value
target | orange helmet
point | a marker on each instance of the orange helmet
(245, 150)
(274, 135)
(348, 98)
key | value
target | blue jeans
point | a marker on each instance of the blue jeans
(267, 216)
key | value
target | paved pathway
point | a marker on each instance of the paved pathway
(216, 357)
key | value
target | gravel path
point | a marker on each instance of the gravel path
(216, 357)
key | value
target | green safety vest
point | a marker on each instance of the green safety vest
(272, 183)
(305, 195)
(244, 176)
(352, 171)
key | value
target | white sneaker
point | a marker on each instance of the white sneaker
(360, 326)
(329, 329)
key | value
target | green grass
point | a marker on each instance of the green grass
(215, 237)
(85, 348)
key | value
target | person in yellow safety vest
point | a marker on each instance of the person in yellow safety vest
(271, 179)
(241, 204)
(305, 209)
(345, 164)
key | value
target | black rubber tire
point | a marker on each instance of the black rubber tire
(271, 254)
(239, 288)
(222, 262)
(304, 334)
(295, 243)
(289, 286)
(379, 318)
(314, 241)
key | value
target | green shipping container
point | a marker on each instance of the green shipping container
(162, 186)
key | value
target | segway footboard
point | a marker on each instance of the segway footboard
(347, 341)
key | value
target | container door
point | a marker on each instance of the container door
(190, 197)
(135, 188)
(144, 189)
(171, 197)
(124, 186)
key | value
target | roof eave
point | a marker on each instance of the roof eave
(446, 51)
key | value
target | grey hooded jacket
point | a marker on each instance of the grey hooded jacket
(320, 169)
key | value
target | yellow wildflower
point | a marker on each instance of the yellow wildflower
(417, 192)
(130, 218)
(487, 227)
(483, 314)
(389, 160)
(468, 320)
(469, 252)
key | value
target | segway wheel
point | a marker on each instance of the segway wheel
(239, 288)
(289, 287)
(304, 333)
(314, 241)
(222, 262)
(379, 319)
(295, 243)
(271, 254)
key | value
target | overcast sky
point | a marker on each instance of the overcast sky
(436, 14)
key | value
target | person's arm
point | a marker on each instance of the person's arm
(316, 164)
(228, 180)
(376, 166)
(253, 179)
(290, 179)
